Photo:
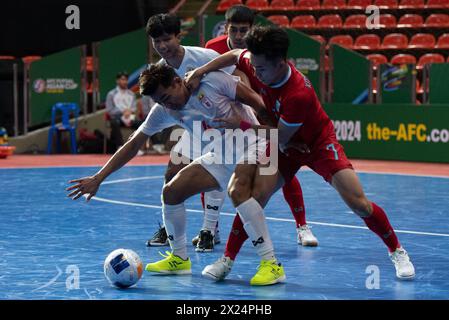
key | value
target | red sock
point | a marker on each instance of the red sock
(237, 237)
(202, 199)
(293, 195)
(379, 224)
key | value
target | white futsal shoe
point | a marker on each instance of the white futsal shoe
(404, 267)
(219, 269)
(306, 237)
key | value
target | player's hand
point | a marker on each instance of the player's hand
(232, 122)
(192, 79)
(299, 146)
(127, 113)
(87, 185)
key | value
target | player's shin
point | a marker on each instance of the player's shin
(213, 202)
(255, 225)
(175, 224)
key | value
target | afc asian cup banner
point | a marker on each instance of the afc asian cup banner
(54, 78)
(392, 131)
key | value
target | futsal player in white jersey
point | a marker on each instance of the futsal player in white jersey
(164, 31)
(211, 102)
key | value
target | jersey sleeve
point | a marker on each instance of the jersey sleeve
(222, 83)
(212, 54)
(296, 107)
(157, 120)
(243, 62)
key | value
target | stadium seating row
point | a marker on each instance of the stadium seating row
(439, 20)
(265, 5)
(390, 41)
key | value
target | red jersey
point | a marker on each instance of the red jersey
(219, 44)
(293, 102)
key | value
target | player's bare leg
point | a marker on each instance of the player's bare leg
(350, 189)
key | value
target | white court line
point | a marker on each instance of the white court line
(132, 179)
(126, 203)
(421, 175)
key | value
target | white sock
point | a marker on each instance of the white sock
(213, 201)
(175, 225)
(253, 218)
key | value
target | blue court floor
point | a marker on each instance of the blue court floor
(46, 240)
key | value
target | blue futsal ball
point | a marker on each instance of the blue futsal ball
(123, 268)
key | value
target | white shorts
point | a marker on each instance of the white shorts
(221, 162)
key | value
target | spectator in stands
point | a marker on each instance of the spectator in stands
(121, 107)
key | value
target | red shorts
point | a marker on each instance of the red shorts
(326, 159)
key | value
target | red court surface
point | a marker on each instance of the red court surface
(39, 161)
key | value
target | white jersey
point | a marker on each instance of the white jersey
(195, 57)
(212, 100)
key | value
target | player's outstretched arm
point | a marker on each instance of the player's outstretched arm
(90, 185)
(193, 78)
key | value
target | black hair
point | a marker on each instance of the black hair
(239, 14)
(162, 23)
(122, 74)
(271, 41)
(157, 74)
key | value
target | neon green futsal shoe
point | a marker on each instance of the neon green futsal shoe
(269, 272)
(171, 264)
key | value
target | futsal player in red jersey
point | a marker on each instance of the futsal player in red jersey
(239, 20)
(291, 102)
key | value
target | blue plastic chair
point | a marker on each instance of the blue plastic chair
(66, 109)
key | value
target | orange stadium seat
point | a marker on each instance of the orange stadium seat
(437, 4)
(226, 4)
(342, 40)
(443, 41)
(257, 4)
(437, 20)
(280, 20)
(376, 59)
(410, 20)
(319, 38)
(355, 21)
(411, 4)
(367, 41)
(282, 5)
(395, 41)
(303, 22)
(422, 40)
(403, 59)
(7, 57)
(333, 4)
(330, 21)
(430, 58)
(386, 4)
(307, 5)
(387, 20)
(30, 59)
(358, 4)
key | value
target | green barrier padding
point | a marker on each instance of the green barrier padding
(54, 78)
(350, 75)
(397, 83)
(438, 83)
(393, 132)
(127, 52)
